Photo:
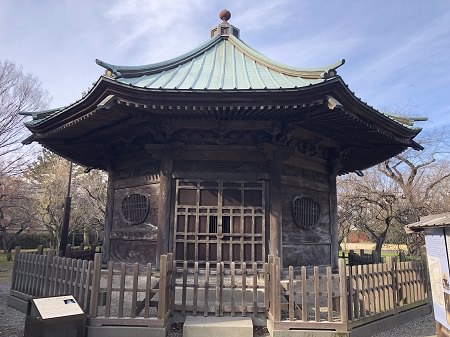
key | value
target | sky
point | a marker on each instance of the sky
(397, 53)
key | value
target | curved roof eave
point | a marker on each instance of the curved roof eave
(382, 116)
(104, 82)
(40, 117)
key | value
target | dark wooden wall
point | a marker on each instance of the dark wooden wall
(135, 242)
(301, 246)
(285, 179)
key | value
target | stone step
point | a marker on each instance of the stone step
(211, 326)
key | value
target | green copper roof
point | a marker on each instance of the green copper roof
(223, 62)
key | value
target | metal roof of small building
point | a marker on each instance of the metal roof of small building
(222, 63)
(430, 221)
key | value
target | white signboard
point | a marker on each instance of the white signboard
(58, 306)
(439, 274)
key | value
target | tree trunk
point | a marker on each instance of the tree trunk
(379, 244)
(5, 245)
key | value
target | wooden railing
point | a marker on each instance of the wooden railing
(307, 298)
(36, 275)
(385, 288)
(295, 298)
(130, 294)
(216, 289)
(109, 297)
(315, 298)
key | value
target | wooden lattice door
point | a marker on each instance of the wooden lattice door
(219, 221)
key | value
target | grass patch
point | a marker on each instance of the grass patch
(5, 268)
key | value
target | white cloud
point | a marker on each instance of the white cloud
(157, 29)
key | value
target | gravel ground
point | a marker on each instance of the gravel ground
(421, 327)
(12, 322)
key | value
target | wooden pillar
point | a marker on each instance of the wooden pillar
(275, 208)
(165, 188)
(334, 222)
(106, 250)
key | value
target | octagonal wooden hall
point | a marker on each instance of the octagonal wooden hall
(222, 154)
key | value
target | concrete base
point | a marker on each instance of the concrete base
(199, 326)
(305, 333)
(390, 322)
(17, 303)
(121, 331)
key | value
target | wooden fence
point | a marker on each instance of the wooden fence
(130, 294)
(81, 252)
(310, 298)
(127, 295)
(218, 290)
(362, 258)
(297, 298)
(36, 275)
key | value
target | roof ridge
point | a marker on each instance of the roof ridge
(283, 68)
(119, 71)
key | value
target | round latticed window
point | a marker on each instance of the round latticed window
(135, 208)
(306, 212)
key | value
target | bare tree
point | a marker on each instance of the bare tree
(90, 202)
(397, 192)
(16, 214)
(18, 92)
(49, 178)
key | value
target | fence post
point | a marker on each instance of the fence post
(277, 290)
(40, 250)
(14, 270)
(270, 285)
(170, 290)
(95, 285)
(47, 273)
(390, 266)
(173, 284)
(343, 291)
(162, 305)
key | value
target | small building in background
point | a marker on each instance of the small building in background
(436, 229)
